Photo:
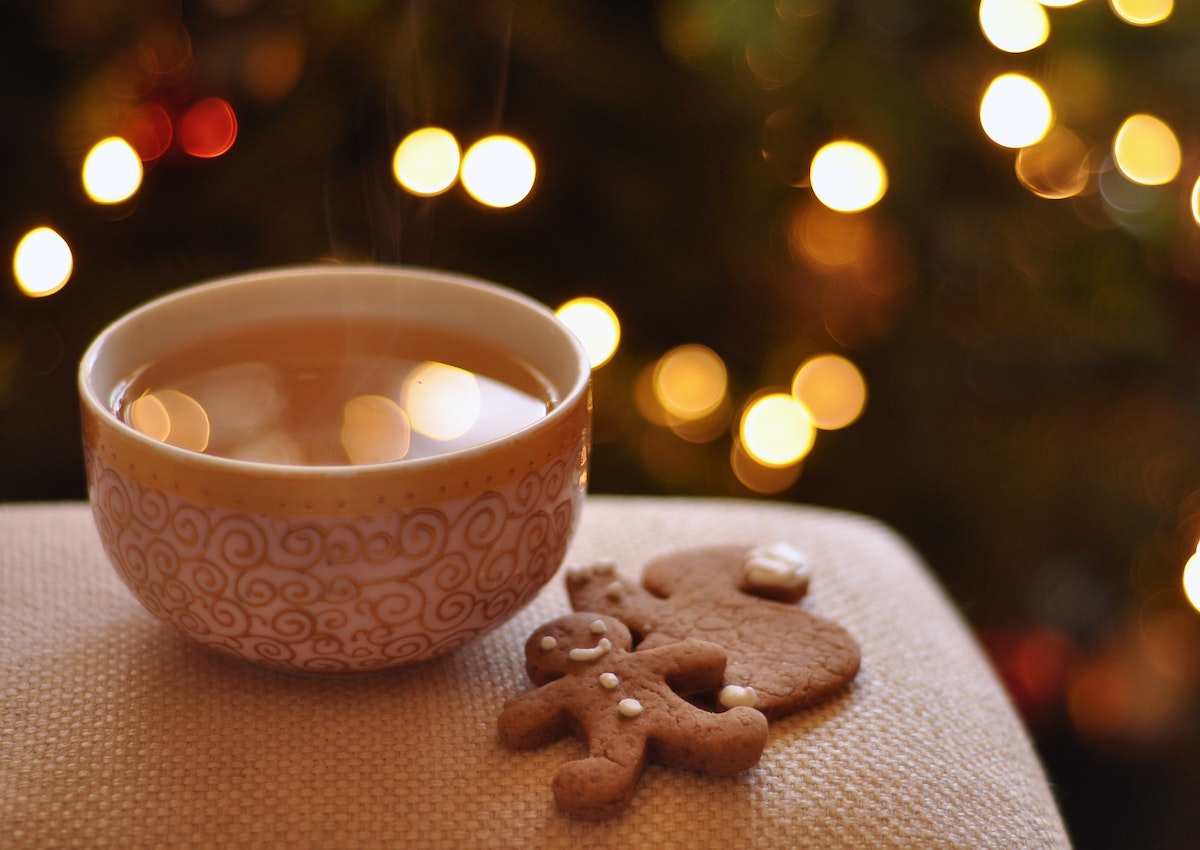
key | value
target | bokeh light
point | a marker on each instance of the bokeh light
(1014, 26)
(1191, 580)
(832, 390)
(498, 171)
(1196, 201)
(596, 326)
(1142, 13)
(112, 171)
(759, 477)
(776, 430)
(690, 382)
(847, 176)
(171, 417)
(1057, 167)
(148, 128)
(1146, 151)
(42, 262)
(443, 401)
(208, 129)
(426, 161)
(1015, 111)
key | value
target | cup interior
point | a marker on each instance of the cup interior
(525, 330)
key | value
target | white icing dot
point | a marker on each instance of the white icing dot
(609, 680)
(615, 591)
(732, 695)
(581, 653)
(778, 565)
(597, 627)
(548, 643)
(629, 707)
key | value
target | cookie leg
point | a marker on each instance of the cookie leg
(596, 787)
(721, 744)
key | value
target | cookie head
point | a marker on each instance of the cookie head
(571, 642)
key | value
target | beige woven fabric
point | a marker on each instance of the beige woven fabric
(114, 732)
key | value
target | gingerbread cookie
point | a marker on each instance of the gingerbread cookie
(781, 657)
(627, 707)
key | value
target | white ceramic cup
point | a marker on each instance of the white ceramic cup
(338, 569)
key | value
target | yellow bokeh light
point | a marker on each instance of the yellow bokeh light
(427, 160)
(847, 176)
(498, 171)
(1015, 112)
(690, 382)
(1191, 580)
(1059, 4)
(832, 390)
(42, 262)
(1146, 151)
(1196, 201)
(596, 326)
(1014, 26)
(112, 171)
(443, 401)
(776, 430)
(761, 479)
(1056, 167)
(1142, 13)
(375, 430)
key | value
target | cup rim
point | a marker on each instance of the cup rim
(101, 410)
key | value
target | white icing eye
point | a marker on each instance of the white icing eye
(609, 680)
(732, 695)
(548, 643)
(629, 707)
(597, 627)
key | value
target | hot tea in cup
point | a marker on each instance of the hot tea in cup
(336, 468)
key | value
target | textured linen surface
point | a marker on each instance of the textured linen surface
(115, 732)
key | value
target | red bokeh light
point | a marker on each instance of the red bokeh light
(208, 128)
(147, 127)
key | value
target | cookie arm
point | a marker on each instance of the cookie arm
(534, 719)
(602, 591)
(689, 666)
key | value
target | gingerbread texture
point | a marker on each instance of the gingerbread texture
(628, 708)
(781, 658)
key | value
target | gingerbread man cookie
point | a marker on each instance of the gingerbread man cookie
(627, 707)
(781, 658)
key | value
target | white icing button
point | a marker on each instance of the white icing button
(615, 591)
(732, 695)
(581, 653)
(548, 643)
(609, 680)
(778, 565)
(597, 627)
(629, 707)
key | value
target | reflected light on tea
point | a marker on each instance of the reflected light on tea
(847, 176)
(171, 417)
(596, 326)
(1015, 112)
(1146, 151)
(375, 430)
(690, 382)
(426, 162)
(1143, 13)
(112, 171)
(1014, 26)
(443, 402)
(498, 171)
(831, 389)
(42, 262)
(776, 430)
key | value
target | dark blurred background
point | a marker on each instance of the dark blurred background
(1027, 324)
